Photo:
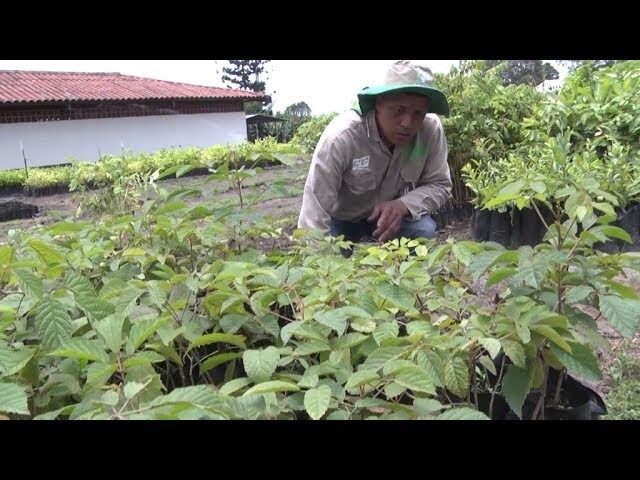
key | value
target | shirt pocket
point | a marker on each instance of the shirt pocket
(361, 181)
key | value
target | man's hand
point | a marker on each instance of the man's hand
(389, 215)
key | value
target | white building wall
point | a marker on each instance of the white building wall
(56, 142)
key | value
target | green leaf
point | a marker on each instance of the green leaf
(416, 379)
(55, 413)
(488, 364)
(378, 358)
(316, 401)
(386, 330)
(79, 284)
(67, 227)
(309, 348)
(604, 207)
(482, 261)
(13, 361)
(134, 252)
(622, 313)
(361, 377)
(237, 340)
(49, 254)
(492, 346)
(363, 325)
(6, 255)
(456, 375)
(82, 349)
(308, 380)
(13, 399)
(234, 385)
(29, 283)
(577, 294)
(551, 334)
(289, 330)
(199, 395)
(348, 341)
(95, 308)
(272, 386)
(514, 351)
(498, 275)
(462, 413)
(110, 329)
(506, 194)
(98, 373)
(335, 319)
(53, 323)
(464, 251)
(131, 389)
(398, 296)
(166, 351)
(613, 231)
(140, 331)
(623, 290)
(515, 387)
(219, 359)
(424, 407)
(581, 361)
(433, 365)
(260, 364)
(145, 357)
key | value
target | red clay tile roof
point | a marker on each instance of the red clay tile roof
(21, 86)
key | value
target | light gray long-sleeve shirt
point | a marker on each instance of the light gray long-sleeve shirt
(352, 170)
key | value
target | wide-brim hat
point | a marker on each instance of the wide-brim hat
(406, 77)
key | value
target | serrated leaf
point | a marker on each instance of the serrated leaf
(29, 283)
(623, 290)
(261, 364)
(551, 334)
(515, 387)
(110, 329)
(482, 261)
(415, 378)
(199, 395)
(49, 254)
(79, 284)
(143, 358)
(378, 358)
(66, 410)
(488, 364)
(361, 377)
(98, 373)
(309, 348)
(12, 361)
(309, 380)
(335, 319)
(234, 385)
(317, 400)
(622, 313)
(95, 308)
(397, 296)
(577, 294)
(348, 341)
(386, 330)
(498, 275)
(464, 251)
(514, 351)
(134, 252)
(492, 346)
(581, 361)
(131, 389)
(456, 375)
(363, 325)
(462, 413)
(166, 351)
(271, 386)
(82, 349)
(424, 407)
(288, 330)
(612, 231)
(237, 340)
(53, 323)
(219, 359)
(433, 365)
(13, 399)
(140, 331)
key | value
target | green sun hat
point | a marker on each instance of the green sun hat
(406, 77)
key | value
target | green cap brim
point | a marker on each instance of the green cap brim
(437, 100)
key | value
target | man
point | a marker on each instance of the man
(382, 171)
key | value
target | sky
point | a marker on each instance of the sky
(326, 85)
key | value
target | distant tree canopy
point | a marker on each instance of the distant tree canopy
(245, 74)
(529, 72)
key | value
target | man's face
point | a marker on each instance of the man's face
(399, 116)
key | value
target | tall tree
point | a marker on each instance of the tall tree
(531, 72)
(245, 74)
